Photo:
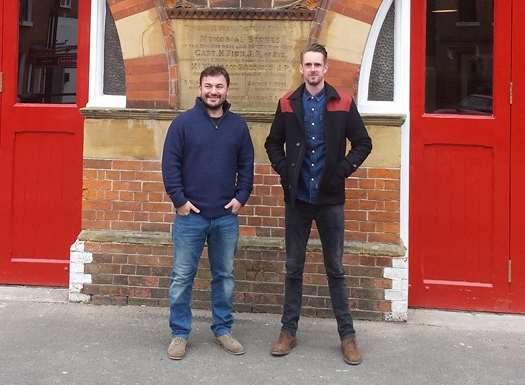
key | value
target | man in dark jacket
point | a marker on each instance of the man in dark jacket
(307, 148)
(207, 167)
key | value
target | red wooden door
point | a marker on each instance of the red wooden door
(460, 155)
(45, 74)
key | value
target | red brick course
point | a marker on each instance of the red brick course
(129, 195)
(140, 275)
(124, 8)
(363, 10)
(147, 82)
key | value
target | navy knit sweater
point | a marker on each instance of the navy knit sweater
(208, 163)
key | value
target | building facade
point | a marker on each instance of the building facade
(438, 199)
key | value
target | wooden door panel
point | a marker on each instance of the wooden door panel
(45, 199)
(458, 246)
(61, 118)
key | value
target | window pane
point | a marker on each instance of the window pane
(47, 66)
(381, 84)
(114, 77)
(459, 57)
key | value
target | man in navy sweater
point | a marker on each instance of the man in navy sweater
(207, 167)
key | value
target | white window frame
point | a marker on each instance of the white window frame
(97, 98)
(401, 61)
(401, 102)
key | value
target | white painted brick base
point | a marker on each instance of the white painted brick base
(398, 295)
(77, 277)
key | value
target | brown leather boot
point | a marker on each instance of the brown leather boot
(351, 353)
(284, 344)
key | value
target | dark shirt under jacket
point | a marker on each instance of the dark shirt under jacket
(314, 158)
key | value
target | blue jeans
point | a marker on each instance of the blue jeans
(330, 223)
(190, 232)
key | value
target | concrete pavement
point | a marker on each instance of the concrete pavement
(44, 340)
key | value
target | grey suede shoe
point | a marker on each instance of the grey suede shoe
(230, 344)
(177, 348)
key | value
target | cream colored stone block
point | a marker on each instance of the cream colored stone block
(140, 35)
(144, 139)
(344, 37)
(386, 142)
(259, 132)
(124, 138)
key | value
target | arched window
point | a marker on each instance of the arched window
(384, 76)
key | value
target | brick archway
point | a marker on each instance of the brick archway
(151, 65)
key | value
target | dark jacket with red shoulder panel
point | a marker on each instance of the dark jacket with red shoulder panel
(285, 145)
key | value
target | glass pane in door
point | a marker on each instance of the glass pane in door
(459, 61)
(47, 59)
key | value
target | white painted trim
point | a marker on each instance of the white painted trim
(403, 94)
(402, 55)
(368, 54)
(97, 98)
(78, 258)
(404, 182)
(401, 103)
(398, 295)
(401, 59)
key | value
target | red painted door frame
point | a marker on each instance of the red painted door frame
(40, 167)
(438, 257)
(517, 207)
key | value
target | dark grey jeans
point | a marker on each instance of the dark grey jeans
(330, 223)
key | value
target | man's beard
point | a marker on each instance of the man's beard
(214, 107)
(314, 82)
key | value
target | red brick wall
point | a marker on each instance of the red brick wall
(140, 275)
(125, 195)
(129, 195)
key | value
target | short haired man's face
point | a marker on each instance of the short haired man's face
(214, 91)
(313, 68)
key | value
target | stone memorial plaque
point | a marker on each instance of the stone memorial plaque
(262, 57)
